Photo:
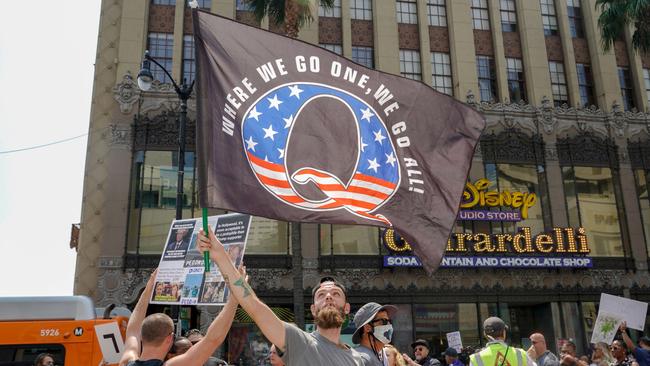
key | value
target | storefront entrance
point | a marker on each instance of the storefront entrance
(527, 319)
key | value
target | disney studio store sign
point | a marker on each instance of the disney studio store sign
(561, 247)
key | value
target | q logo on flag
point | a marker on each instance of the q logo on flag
(266, 133)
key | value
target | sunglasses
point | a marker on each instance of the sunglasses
(419, 349)
(383, 321)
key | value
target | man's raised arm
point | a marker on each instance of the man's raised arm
(200, 352)
(270, 325)
(626, 338)
(133, 328)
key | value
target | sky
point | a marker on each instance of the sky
(47, 55)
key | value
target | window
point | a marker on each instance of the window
(437, 13)
(361, 9)
(409, 64)
(575, 19)
(642, 185)
(433, 321)
(336, 48)
(549, 20)
(508, 16)
(558, 83)
(161, 47)
(242, 5)
(267, 236)
(516, 80)
(349, 239)
(480, 15)
(585, 84)
(627, 94)
(189, 64)
(21, 354)
(333, 12)
(524, 178)
(441, 72)
(486, 78)
(363, 56)
(154, 198)
(646, 78)
(163, 2)
(407, 11)
(591, 204)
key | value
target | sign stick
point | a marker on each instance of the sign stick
(206, 254)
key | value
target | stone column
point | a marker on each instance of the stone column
(570, 71)
(425, 46)
(636, 68)
(346, 29)
(177, 58)
(494, 7)
(533, 46)
(224, 8)
(385, 29)
(461, 45)
(603, 64)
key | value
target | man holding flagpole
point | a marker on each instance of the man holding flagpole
(296, 347)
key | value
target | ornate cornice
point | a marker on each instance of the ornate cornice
(512, 145)
(587, 149)
(404, 284)
(161, 132)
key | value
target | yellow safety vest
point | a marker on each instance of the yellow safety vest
(493, 353)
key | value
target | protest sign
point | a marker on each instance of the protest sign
(455, 341)
(110, 341)
(181, 278)
(606, 326)
(631, 311)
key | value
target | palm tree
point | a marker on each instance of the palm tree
(616, 15)
(293, 13)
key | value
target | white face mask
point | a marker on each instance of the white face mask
(383, 333)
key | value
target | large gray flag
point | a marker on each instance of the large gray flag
(291, 131)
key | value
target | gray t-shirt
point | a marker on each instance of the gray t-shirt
(369, 357)
(302, 348)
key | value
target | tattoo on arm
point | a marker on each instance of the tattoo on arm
(243, 284)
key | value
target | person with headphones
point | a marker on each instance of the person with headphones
(497, 352)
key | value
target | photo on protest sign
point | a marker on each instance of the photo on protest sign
(181, 278)
(606, 326)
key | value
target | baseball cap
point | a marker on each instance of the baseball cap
(494, 325)
(421, 342)
(451, 352)
(368, 312)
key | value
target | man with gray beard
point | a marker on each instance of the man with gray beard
(296, 347)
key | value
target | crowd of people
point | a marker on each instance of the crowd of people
(150, 340)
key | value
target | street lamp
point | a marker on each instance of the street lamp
(145, 79)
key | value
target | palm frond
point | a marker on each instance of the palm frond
(612, 21)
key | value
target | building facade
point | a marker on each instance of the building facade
(567, 123)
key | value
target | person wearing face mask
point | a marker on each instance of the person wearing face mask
(374, 331)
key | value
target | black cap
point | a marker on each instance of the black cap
(494, 326)
(421, 342)
(451, 352)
